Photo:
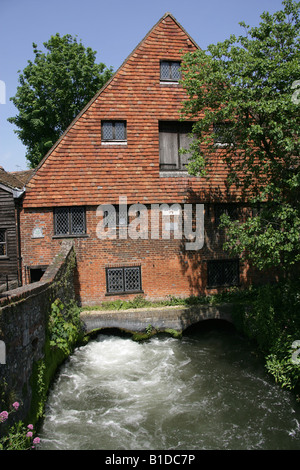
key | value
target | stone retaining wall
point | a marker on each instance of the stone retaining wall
(23, 320)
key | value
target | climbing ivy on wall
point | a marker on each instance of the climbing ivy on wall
(64, 326)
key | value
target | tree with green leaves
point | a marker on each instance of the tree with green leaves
(53, 90)
(246, 89)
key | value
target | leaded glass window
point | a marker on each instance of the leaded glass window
(3, 243)
(113, 130)
(222, 273)
(69, 221)
(123, 279)
(223, 134)
(170, 71)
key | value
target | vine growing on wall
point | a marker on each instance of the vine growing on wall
(64, 326)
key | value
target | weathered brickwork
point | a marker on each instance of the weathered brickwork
(83, 170)
(24, 314)
(167, 268)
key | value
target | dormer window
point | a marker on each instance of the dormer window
(170, 71)
(113, 131)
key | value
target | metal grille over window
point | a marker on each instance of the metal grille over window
(107, 131)
(120, 131)
(61, 221)
(115, 280)
(132, 277)
(223, 133)
(223, 273)
(69, 220)
(175, 71)
(170, 71)
(2, 242)
(124, 279)
(77, 220)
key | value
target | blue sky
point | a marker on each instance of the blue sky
(113, 28)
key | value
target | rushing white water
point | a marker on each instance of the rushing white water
(206, 391)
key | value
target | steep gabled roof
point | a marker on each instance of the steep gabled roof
(81, 169)
(112, 78)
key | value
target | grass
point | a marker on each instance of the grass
(229, 295)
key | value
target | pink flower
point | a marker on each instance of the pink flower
(3, 416)
(30, 426)
(16, 405)
(36, 440)
(29, 434)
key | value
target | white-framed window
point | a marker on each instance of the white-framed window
(113, 131)
(170, 71)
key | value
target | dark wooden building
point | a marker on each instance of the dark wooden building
(11, 192)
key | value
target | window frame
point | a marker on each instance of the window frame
(4, 243)
(219, 137)
(114, 140)
(70, 232)
(222, 263)
(181, 129)
(170, 79)
(124, 291)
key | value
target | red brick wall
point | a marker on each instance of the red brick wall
(167, 268)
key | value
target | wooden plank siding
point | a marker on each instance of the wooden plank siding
(9, 262)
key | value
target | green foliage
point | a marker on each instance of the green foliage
(246, 84)
(17, 438)
(231, 294)
(273, 321)
(64, 326)
(53, 89)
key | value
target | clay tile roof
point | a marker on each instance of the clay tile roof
(10, 180)
(23, 176)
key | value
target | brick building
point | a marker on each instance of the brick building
(125, 143)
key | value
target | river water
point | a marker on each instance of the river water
(205, 391)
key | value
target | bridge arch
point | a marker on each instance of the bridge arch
(165, 319)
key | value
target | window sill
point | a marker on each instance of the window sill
(84, 235)
(169, 82)
(115, 142)
(126, 292)
(174, 174)
(4, 257)
(222, 145)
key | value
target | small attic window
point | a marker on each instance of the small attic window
(113, 131)
(170, 71)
